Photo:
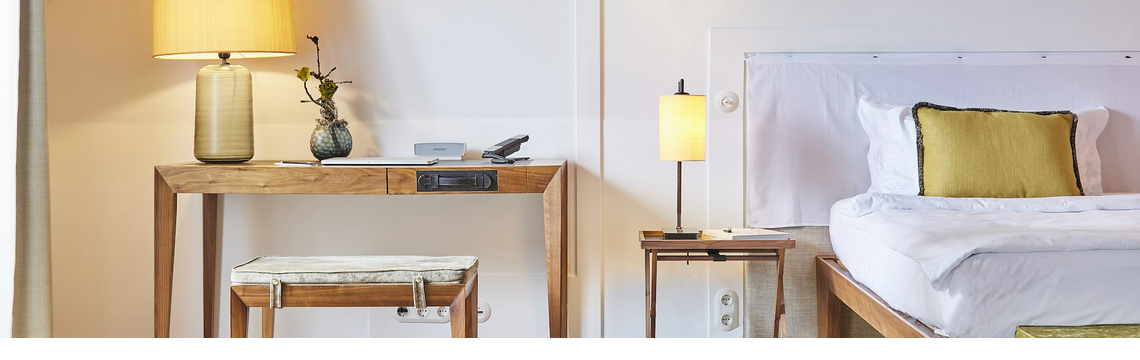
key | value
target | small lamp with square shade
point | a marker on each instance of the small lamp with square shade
(682, 119)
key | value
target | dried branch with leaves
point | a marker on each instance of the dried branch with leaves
(326, 86)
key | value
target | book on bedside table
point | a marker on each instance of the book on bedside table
(743, 234)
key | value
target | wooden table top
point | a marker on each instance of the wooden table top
(655, 240)
(265, 177)
(271, 164)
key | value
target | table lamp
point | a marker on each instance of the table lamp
(221, 29)
(682, 138)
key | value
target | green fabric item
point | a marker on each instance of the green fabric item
(1088, 331)
(995, 153)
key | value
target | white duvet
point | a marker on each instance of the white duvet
(939, 233)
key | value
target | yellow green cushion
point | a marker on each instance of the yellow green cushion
(995, 153)
(1088, 331)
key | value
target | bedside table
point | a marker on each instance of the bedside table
(658, 249)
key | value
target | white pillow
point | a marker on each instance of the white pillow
(1090, 124)
(893, 155)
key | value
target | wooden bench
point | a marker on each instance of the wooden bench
(274, 282)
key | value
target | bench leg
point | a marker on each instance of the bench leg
(267, 322)
(465, 312)
(239, 317)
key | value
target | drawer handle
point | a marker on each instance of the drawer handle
(479, 180)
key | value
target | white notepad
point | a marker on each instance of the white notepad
(379, 161)
(744, 234)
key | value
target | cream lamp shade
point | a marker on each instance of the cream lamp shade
(201, 29)
(682, 127)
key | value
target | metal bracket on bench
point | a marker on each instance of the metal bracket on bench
(717, 257)
(275, 294)
(419, 298)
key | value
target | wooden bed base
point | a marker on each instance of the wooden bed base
(836, 288)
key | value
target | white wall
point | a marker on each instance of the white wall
(435, 71)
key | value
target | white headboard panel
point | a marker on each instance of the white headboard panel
(728, 47)
(805, 149)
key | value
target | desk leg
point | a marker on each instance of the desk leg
(210, 281)
(779, 330)
(554, 219)
(650, 293)
(165, 208)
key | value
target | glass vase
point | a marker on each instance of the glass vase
(331, 137)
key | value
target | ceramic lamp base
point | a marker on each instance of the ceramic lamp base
(223, 114)
(671, 233)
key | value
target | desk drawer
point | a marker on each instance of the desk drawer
(498, 180)
(457, 181)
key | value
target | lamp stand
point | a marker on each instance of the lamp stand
(223, 113)
(679, 232)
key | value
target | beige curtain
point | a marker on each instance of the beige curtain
(32, 305)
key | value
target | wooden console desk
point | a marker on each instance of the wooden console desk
(544, 176)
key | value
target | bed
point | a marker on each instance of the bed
(929, 266)
(981, 267)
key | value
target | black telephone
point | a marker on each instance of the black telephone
(498, 153)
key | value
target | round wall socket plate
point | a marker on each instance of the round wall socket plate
(726, 309)
(727, 101)
(484, 311)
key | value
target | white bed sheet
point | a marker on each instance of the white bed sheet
(989, 294)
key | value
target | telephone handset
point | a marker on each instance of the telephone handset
(498, 153)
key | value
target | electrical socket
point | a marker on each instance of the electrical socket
(431, 315)
(436, 315)
(484, 312)
(727, 314)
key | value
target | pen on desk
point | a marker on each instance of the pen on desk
(296, 163)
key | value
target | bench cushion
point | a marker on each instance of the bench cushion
(340, 270)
